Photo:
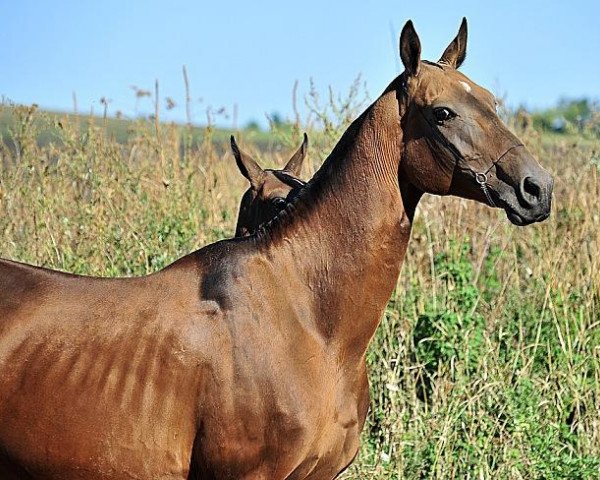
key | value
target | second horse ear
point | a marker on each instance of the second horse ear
(248, 166)
(294, 166)
(455, 53)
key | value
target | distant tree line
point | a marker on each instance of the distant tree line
(568, 116)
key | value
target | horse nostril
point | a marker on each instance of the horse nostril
(532, 189)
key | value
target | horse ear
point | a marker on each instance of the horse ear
(294, 166)
(410, 49)
(247, 165)
(455, 53)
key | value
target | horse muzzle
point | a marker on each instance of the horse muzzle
(530, 201)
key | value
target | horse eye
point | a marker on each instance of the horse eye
(443, 114)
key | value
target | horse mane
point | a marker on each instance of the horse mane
(288, 179)
(433, 64)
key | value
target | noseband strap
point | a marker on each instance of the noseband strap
(481, 177)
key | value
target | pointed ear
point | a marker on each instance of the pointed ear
(455, 53)
(294, 166)
(410, 49)
(249, 168)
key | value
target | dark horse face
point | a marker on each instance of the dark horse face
(270, 190)
(453, 133)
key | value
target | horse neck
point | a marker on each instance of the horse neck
(350, 229)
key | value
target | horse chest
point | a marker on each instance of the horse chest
(337, 445)
(287, 433)
(335, 432)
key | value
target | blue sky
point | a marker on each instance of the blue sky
(250, 54)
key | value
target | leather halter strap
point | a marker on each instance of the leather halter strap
(481, 177)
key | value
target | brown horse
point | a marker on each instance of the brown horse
(270, 190)
(246, 359)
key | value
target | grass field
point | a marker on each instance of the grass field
(487, 362)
